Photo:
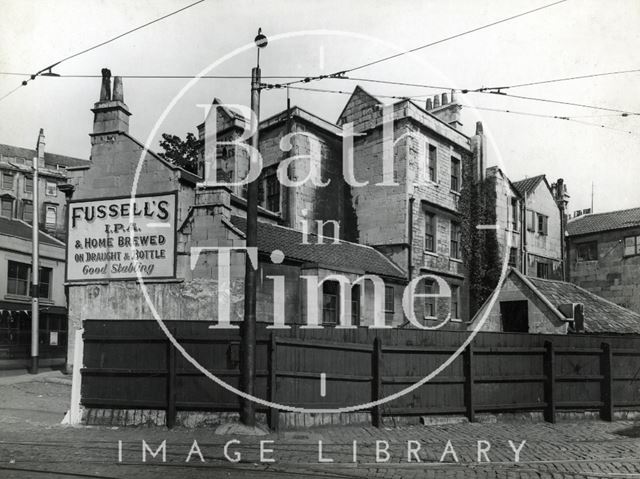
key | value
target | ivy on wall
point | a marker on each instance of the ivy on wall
(480, 249)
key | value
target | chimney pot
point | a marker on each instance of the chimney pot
(436, 101)
(479, 129)
(444, 99)
(453, 96)
(118, 91)
(105, 89)
(429, 104)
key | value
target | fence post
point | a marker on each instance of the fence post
(170, 417)
(468, 383)
(273, 415)
(606, 387)
(376, 384)
(549, 385)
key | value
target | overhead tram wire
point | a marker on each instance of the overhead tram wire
(557, 102)
(554, 117)
(47, 70)
(341, 73)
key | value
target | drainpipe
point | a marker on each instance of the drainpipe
(523, 242)
(410, 239)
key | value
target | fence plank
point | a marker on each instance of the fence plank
(606, 391)
(376, 384)
(549, 390)
(468, 383)
(170, 417)
(273, 415)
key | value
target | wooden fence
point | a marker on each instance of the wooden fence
(132, 365)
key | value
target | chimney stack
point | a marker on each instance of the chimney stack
(478, 149)
(444, 99)
(105, 89)
(111, 114)
(429, 104)
(40, 148)
(118, 92)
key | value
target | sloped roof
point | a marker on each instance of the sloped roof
(51, 160)
(348, 255)
(612, 220)
(20, 229)
(600, 315)
(527, 185)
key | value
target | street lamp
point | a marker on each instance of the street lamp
(248, 328)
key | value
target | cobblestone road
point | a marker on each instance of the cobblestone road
(34, 445)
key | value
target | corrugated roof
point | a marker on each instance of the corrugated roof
(351, 256)
(600, 315)
(612, 220)
(20, 229)
(527, 185)
(51, 160)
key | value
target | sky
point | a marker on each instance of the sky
(577, 37)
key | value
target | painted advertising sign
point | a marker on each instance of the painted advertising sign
(111, 239)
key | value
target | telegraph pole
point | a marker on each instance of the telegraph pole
(248, 328)
(35, 294)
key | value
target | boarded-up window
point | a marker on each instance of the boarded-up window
(7, 181)
(587, 251)
(7, 207)
(27, 211)
(51, 216)
(389, 303)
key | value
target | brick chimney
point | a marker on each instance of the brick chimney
(479, 152)
(111, 114)
(40, 149)
(445, 108)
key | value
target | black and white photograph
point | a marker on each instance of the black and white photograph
(319, 239)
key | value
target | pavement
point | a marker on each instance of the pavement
(33, 444)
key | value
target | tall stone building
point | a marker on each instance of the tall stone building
(413, 214)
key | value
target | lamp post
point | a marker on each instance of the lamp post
(248, 331)
(35, 263)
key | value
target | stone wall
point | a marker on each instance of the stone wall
(613, 276)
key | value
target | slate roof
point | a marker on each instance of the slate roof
(20, 229)
(527, 185)
(600, 315)
(612, 220)
(351, 256)
(51, 160)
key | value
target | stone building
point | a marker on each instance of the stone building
(526, 304)
(180, 220)
(542, 226)
(16, 185)
(412, 214)
(604, 255)
(531, 218)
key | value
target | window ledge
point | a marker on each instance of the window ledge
(456, 260)
(430, 253)
(456, 320)
(455, 192)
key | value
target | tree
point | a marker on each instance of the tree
(183, 153)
